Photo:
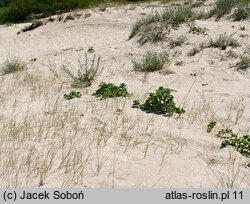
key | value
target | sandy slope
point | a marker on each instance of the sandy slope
(47, 141)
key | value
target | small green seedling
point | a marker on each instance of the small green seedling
(91, 50)
(72, 95)
(211, 126)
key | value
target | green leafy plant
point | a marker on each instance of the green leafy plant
(12, 66)
(72, 95)
(86, 72)
(160, 102)
(223, 42)
(244, 63)
(211, 126)
(151, 62)
(240, 143)
(109, 90)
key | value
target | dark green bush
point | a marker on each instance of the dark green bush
(20, 10)
(161, 102)
(109, 90)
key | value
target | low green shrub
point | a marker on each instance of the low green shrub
(240, 143)
(12, 66)
(109, 90)
(151, 62)
(160, 102)
(72, 95)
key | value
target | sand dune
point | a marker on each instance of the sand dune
(47, 141)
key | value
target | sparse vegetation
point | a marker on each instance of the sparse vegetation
(193, 51)
(144, 23)
(198, 30)
(109, 90)
(178, 15)
(178, 41)
(56, 136)
(244, 63)
(86, 72)
(151, 62)
(231, 54)
(222, 7)
(223, 42)
(160, 102)
(12, 66)
(179, 63)
(241, 13)
(224, 133)
(151, 28)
